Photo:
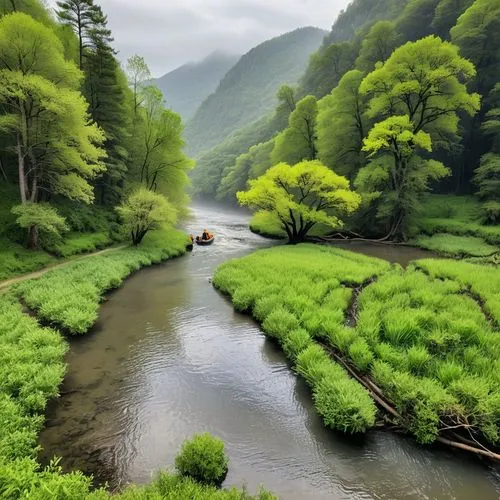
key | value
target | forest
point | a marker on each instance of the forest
(351, 184)
(402, 102)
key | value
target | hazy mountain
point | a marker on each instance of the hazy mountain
(185, 88)
(248, 91)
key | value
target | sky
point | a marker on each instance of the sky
(169, 33)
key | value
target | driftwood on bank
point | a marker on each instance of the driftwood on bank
(378, 396)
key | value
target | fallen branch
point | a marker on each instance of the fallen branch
(466, 447)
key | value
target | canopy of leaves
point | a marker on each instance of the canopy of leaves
(298, 141)
(145, 211)
(342, 126)
(301, 196)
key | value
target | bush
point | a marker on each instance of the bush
(203, 459)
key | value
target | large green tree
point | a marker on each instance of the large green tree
(301, 196)
(57, 148)
(378, 45)
(86, 19)
(159, 161)
(416, 97)
(298, 141)
(342, 126)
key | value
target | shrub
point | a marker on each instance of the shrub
(203, 459)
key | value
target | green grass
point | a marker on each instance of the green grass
(32, 369)
(458, 215)
(456, 246)
(77, 243)
(69, 297)
(16, 260)
(298, 294)
(428, 336)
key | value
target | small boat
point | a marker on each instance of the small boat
(201, 242)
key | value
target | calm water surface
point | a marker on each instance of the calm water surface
(169, 358)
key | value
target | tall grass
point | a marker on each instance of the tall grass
(428, 336)
(299, 294)
(69, 297)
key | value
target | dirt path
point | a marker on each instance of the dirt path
(8, 283)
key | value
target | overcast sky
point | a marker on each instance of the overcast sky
(169, 33)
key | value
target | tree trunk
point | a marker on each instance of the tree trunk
(22, 175)
(33, 237)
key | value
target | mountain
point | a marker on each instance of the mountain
(248, 91)
(185, 88)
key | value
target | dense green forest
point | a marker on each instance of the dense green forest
(186, 88)
(76, 130)
(402, 99)
(247, 91)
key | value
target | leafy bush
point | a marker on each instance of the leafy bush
(203, 459)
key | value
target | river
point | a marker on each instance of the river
(169, 358)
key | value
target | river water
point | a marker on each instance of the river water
(169, 358)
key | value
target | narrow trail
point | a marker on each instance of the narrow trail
(4, 285)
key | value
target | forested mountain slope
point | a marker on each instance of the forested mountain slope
(248, 90)
(366, 35)
(186, 87)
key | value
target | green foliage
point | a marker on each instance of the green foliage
(41, 218)
(69, 297)
(146, 211)
(248, 91)
(203, 459)
(458, 215)
(456, 246)
(417, 94)
(16, 260)
(270, 281)
(378, 45)
(298, 142)
(342, 126)
(300, 197)
(76, 243)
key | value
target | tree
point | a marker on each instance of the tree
(420, 88)
(298, 141)
(146, 211)
(138, 74)
(378, 45)
(446, 14)
(84, 18)
(399, 176)
(39, 219)
(477, 33)
(487, 176)
(342, 126)
(158, 152)
(327, 67)
(248, 166)
(416, 20)
(57, 149)
(301, 196)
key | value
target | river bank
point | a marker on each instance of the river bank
(168, 357)
(32, 368)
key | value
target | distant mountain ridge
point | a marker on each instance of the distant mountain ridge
(248, 91)
(186, 87)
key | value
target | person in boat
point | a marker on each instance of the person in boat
(206, 235)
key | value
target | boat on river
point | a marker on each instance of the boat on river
(202, 242)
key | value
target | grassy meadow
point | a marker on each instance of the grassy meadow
(427, 337)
